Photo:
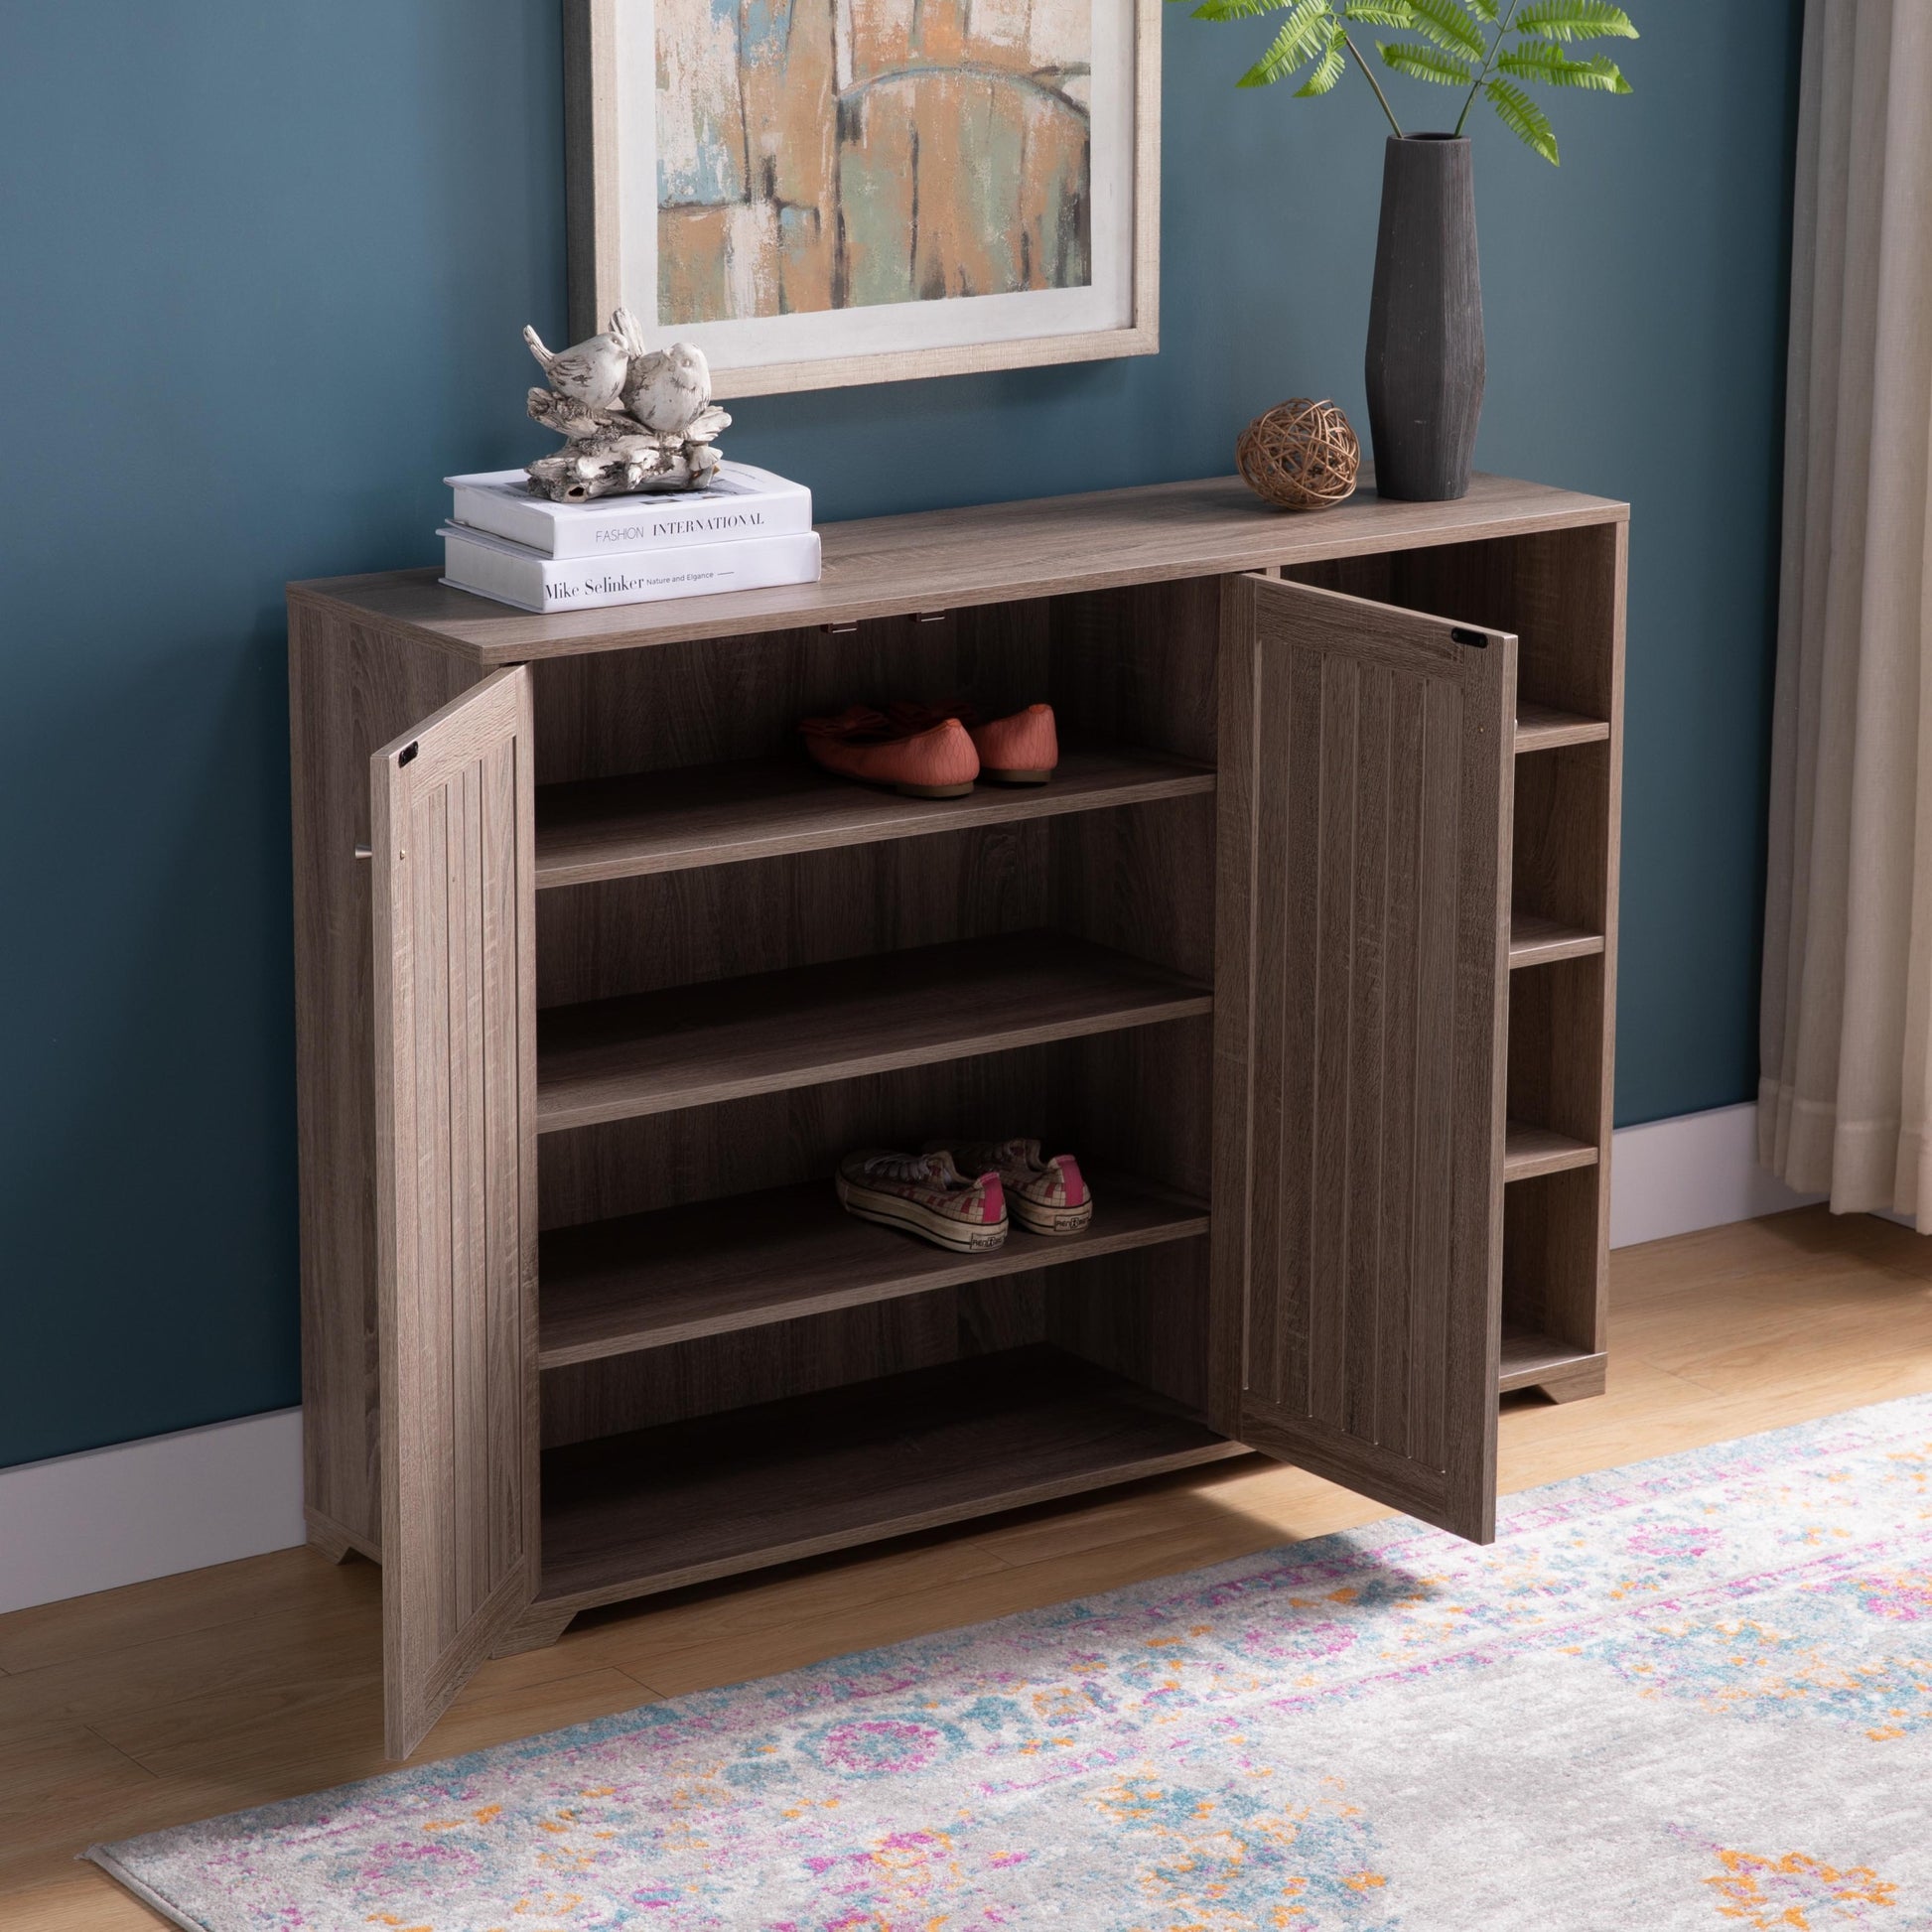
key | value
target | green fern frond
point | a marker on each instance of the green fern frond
(1523, 117)
(1236, 9)
(1381, 13)
(1303, 36)
(1422, 62)
(1541, 62)
(1576, 20)
(1484, 9)
(1445, 23)
(1329, 69)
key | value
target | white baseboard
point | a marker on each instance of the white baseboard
(1697, 1171)
(112, 1516)
(75, 1524)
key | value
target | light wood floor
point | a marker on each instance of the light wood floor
(204, 1693)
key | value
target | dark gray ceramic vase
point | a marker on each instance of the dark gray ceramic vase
(1425, 322)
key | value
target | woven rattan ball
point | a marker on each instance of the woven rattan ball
(1301, 455)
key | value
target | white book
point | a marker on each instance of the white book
(740, 501)
(512, 574)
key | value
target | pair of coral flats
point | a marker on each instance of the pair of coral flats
(935, 751)
(960, 1195)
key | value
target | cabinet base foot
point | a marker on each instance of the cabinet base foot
(330, 1540)
(536, 1629)
(1578, 1384)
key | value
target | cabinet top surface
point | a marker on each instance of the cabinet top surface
(994, 553)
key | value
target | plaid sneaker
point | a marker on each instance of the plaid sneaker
(1044, 1197)
(926, 1195)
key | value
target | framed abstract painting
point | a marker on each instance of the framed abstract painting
(858, 191)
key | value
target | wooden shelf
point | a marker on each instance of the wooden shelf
(651, 1280)
(1529, 1358)
(1543, 728)
(662, 1507)
(1536, 941)
(721, 814)
(694, 1045)
(1531, 1151)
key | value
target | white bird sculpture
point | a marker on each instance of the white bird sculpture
(591, 371)
(630, 419)
(669, 390)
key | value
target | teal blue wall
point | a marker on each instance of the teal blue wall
(262, 268)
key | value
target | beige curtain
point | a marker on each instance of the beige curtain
(1847, 1058)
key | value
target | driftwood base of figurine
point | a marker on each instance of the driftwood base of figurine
(609, 454)
(571, 478)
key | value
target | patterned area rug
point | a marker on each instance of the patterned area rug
(1692, 1693)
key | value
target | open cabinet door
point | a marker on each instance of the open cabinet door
(1361, 974)
(452, 836)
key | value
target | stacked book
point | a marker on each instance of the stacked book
(746, 530)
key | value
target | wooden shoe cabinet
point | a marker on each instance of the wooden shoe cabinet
(1307, 951)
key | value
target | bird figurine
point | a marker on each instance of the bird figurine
(632, 419)
(669, 391)
(594, 370)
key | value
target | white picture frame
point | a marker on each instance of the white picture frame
(724, 278)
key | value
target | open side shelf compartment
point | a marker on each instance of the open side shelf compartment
(1534, 1360)
(1559, 593)
(1552, 1285)
(1536, 939)
(1548, 728)
(1555, 1204)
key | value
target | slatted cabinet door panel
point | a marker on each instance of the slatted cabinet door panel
(1363, 932)
(453, 837)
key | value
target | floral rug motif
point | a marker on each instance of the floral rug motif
(1692, 1693)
